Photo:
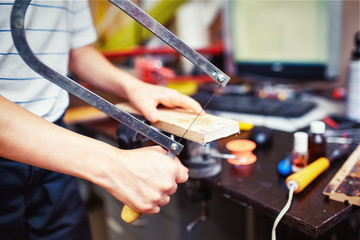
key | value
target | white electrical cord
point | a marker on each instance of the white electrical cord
(292, 186)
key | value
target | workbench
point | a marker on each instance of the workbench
(260, 188)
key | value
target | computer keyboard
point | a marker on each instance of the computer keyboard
(251, 104)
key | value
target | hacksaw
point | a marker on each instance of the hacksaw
(24, 50)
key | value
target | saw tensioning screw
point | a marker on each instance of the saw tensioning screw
(174, 147)
(220, 77)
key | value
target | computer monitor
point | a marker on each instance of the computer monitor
(284, 39)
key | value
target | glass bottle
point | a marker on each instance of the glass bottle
(353, 85)
(299, 155)
(316, 141)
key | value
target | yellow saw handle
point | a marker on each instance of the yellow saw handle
(129, 215)
(304, 177)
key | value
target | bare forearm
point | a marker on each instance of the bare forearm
(142, 178)
(91, 66)
(27, 138)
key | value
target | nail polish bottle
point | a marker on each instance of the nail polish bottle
(316, 141)
(299, 155)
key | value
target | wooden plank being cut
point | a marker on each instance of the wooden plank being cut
(206, 128)
(345, 185)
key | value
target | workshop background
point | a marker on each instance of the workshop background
(215, 214)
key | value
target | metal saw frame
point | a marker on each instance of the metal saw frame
(21, 44)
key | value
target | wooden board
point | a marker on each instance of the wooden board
(345, 185)
(83, 114)
(206, 128)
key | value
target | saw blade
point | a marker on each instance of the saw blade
(202, 110)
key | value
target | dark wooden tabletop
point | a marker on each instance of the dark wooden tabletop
(260, 186)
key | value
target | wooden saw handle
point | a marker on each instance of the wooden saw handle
(129, 215)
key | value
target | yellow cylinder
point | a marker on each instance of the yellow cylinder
(305, 176)
(129, 215)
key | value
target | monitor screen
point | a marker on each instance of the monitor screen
(285, 39)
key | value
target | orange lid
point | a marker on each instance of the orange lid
(240, 145)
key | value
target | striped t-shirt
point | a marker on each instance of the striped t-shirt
(52, 28)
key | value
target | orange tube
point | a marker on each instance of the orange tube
(305, 176)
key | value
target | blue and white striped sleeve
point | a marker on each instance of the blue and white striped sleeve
(83, 30)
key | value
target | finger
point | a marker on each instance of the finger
(182, 174)
(190, 103)
(173, 190)
(149, 207)
(154, 210)
(164, 201)
(179, 100)
(177, 160)
(149, 111)
(158, 149)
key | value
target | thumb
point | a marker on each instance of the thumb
(152, 115)
(149, 111)
(183, 173)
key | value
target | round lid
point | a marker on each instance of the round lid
(240, 145)
(300, 142)
(317, 127)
